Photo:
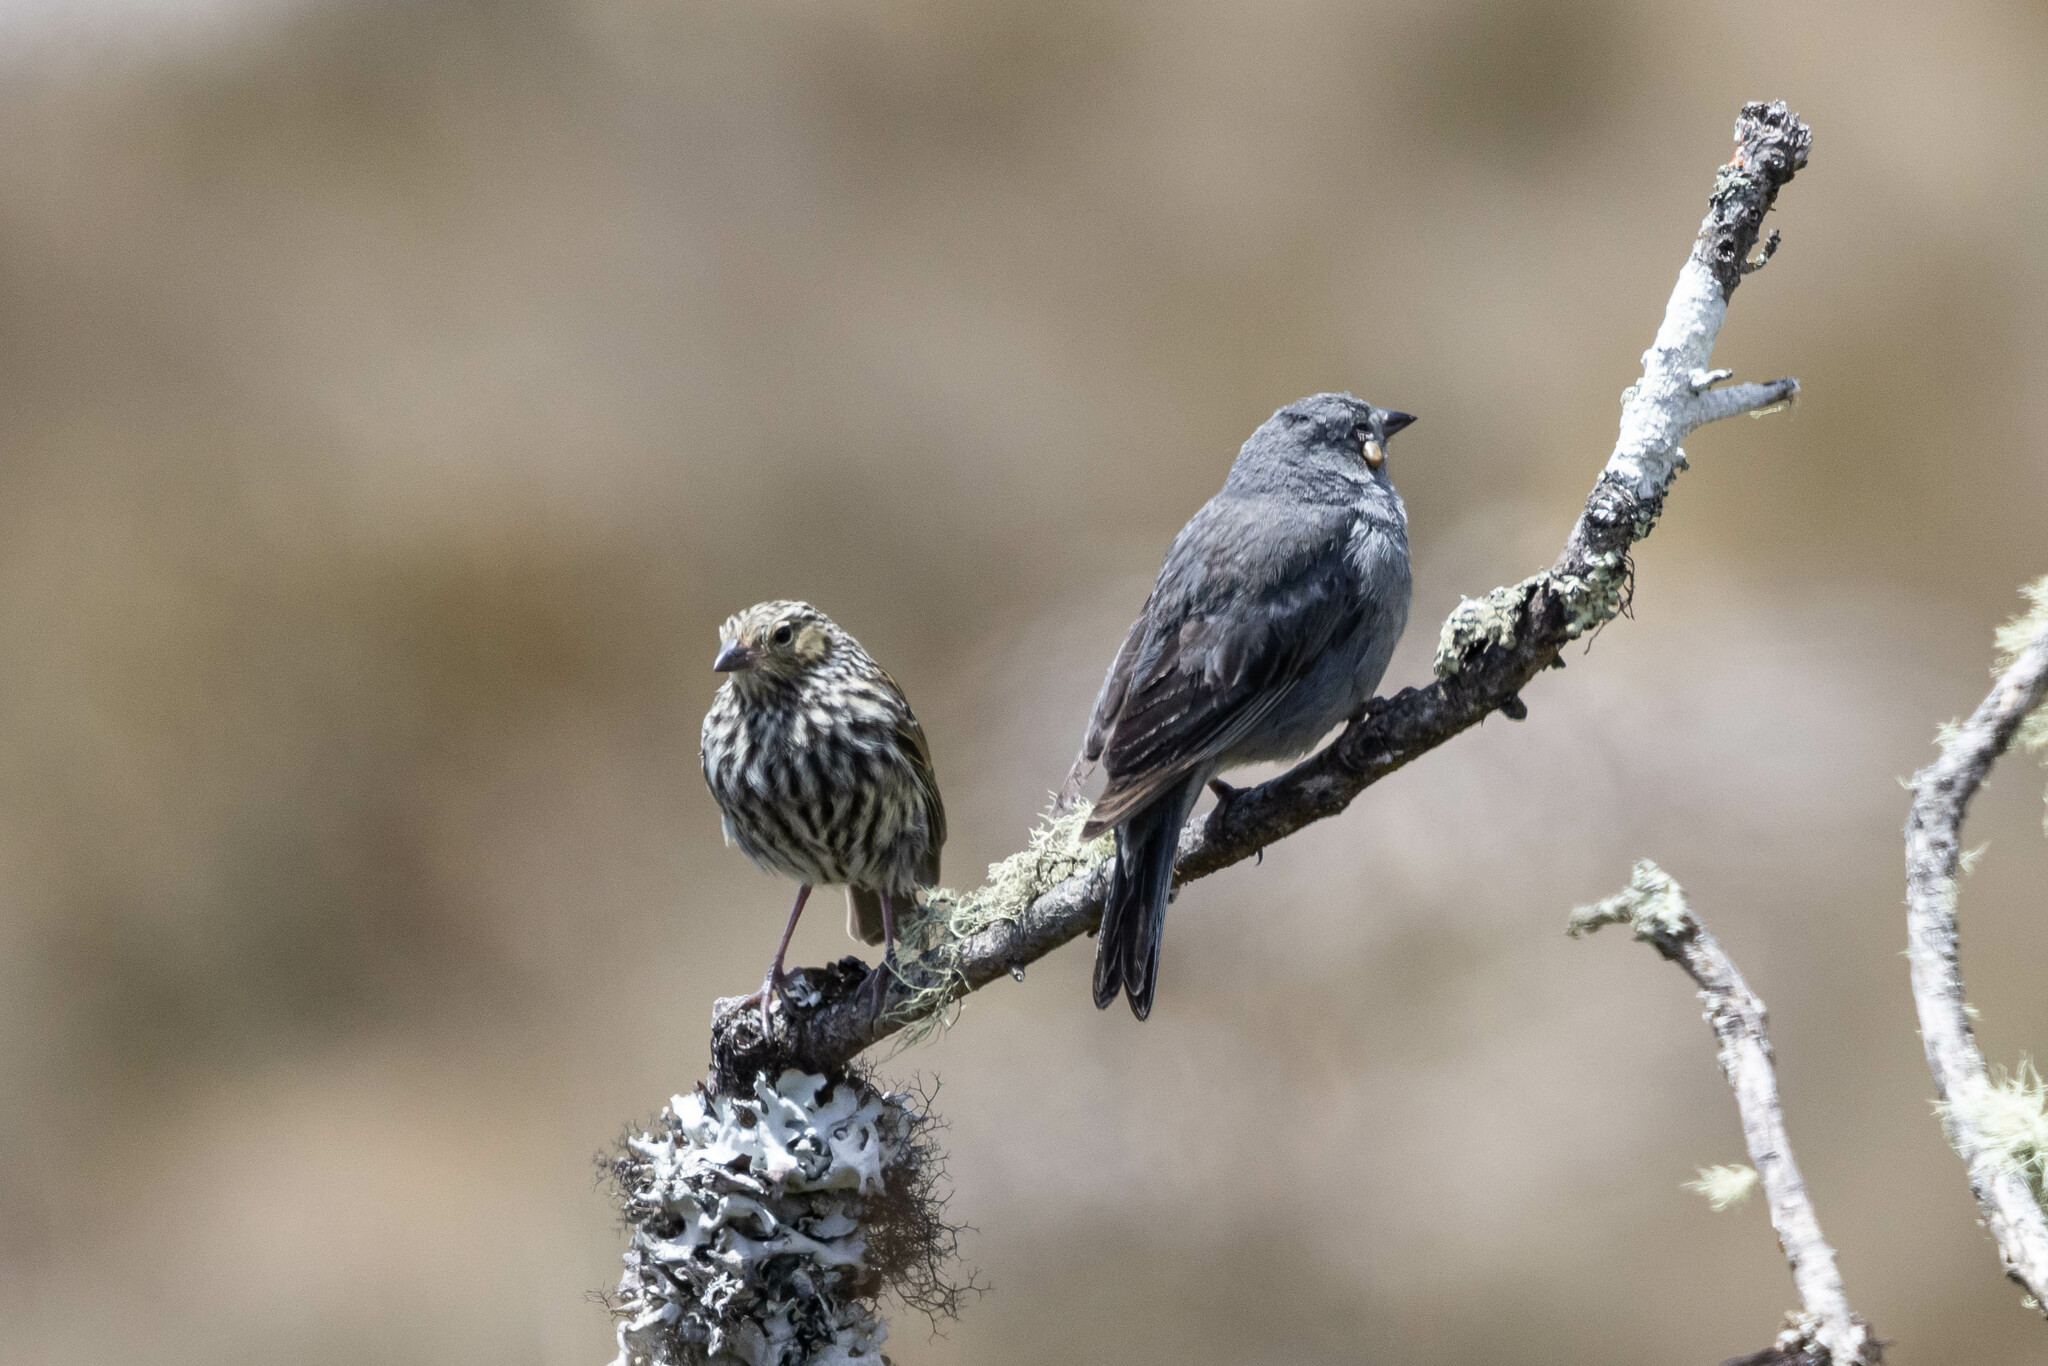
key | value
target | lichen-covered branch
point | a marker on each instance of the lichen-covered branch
(1491, 649)
(1978, 1112)
(1654, 906)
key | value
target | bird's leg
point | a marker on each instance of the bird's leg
(876, 988)
(771, 986)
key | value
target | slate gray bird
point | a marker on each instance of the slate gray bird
(822, 774)
(1273, 618)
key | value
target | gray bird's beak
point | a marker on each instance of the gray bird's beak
(1397, 421)
(733, 657)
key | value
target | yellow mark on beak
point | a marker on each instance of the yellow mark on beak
(1375, 454)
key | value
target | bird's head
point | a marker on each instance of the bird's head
(1355, 428)
(1317, 436)
(774, 640)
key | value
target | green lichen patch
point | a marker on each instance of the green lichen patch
(1054, 852)
(1595, 598)
(2010, 1113)
(1476, 623)
(1591, 600)
(1653, 905)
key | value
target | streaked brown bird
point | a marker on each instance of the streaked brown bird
(822, 774)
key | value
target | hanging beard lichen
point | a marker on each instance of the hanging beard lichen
(1054, 852)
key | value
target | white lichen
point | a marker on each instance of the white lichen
(1053, 853)
(2009, 1114)
(1725, 1187)
(750, 1243)
(1800, 1340)
(1653, 905)
(2013, 638)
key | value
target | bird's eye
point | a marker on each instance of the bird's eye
(783, 634)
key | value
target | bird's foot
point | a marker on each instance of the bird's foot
(774, 987)
(1225, 795)
(875, 990)
(1371, 707)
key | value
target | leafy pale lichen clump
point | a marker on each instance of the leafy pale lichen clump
(1591, 600)
(750, 1226)
(1054, 852)
(1594, 599)
(1725, 1187)
(2010, 1113)
(1653, 905)
(1476, 623)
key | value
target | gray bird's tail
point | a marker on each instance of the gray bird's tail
(1134, 914)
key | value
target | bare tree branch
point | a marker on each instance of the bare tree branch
(1490, 650)
(1654, 906)
(1941, 796)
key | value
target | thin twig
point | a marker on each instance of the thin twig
(1654, 906)
(1941, 796)
(1491, 648)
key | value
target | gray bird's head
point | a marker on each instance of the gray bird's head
(775, 641)
(1328, 444)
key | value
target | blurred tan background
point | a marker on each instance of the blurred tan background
(395, 396)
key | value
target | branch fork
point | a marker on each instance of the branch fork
(1655, 907)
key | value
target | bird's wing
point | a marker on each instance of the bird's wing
(1252, 593)
(1115, 686)
(915, 748)
(1108, 703)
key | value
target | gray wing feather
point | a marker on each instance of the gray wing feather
(1251, 595)
(1108, 703)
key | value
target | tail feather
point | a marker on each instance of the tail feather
(864, 914)
(1134, 913)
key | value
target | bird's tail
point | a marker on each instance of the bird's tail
(864, 914)
(1134, 915)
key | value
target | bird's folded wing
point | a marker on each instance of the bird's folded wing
(1115, 684)
(919, 752)
(1250, 598)
(912, 745)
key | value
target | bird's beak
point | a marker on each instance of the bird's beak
(1397, 421)
(1375, 454)
(733, 657)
